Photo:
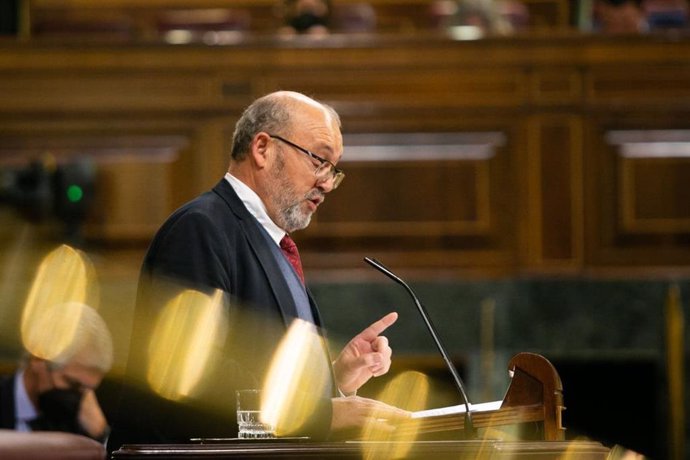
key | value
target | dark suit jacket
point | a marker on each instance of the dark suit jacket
(212, 242)
(7, 410)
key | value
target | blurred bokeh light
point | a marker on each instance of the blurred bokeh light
(295, 378)
(187, 333)
(64, 282)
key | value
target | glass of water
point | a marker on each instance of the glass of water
(249, 416)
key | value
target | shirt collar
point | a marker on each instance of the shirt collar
(256, 207)
(23, 406)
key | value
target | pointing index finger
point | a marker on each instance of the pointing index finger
(378, 327)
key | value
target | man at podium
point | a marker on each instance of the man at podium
(235, 240)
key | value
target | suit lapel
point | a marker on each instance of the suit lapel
(257, 241)
(279, 287)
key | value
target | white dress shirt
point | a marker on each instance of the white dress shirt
(24, 410)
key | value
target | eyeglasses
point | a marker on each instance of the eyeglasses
(325, 171)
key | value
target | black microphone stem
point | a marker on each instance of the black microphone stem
(469, 427)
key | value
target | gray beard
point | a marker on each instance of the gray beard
(290, 216)
(294, 219)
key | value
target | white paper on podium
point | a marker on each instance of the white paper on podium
(459, 409)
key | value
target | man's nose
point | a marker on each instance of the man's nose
(326, 184)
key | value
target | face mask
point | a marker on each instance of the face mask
(58, 410)
(305, 21)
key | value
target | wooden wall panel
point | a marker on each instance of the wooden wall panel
(412, 87)
(435, 192)
(639, 85)
(551, 86)
(134, 189)
(107, 90)
(484, 157)
(638, 204)
(653, 195)
(554, 184)
(653, 168)
(148, 185)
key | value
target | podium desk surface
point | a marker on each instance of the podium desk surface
(542, 450)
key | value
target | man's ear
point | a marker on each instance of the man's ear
(259, 149)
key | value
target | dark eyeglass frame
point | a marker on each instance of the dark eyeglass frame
(336, 174)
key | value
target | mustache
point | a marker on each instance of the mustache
(316, 194)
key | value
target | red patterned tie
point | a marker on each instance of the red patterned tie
(289, 248)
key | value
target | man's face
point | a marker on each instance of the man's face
(58, 392)
(295, 193)
(46, 376)
(74, 376)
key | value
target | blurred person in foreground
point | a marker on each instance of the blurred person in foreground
(58, 394)
(234, 238)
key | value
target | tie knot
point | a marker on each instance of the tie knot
(288, 244)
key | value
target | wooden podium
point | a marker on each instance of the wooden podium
(534, 399)
(437, 450)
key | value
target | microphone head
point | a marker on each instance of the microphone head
(383, 269)
(372, 262)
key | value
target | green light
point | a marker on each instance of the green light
(75, 193)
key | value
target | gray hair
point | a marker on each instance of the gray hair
(269, 113)
(91, 344)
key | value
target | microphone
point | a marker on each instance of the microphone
(469, 427)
